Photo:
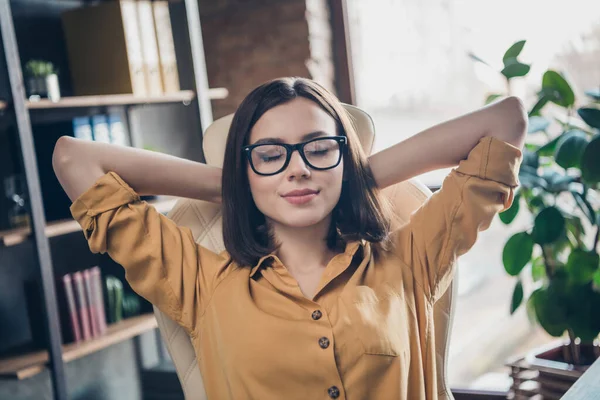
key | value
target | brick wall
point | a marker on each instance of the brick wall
(248, 42)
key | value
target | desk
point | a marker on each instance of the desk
(588, 386)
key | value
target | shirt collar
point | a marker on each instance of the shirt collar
(350, 250)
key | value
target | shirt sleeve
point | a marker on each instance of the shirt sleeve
(447, 224)
(162, 261)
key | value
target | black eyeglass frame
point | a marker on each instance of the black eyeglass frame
(290, 148)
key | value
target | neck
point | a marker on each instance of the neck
(304, 250)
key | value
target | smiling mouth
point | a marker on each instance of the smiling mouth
(301, 198)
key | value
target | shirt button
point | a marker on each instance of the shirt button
(334, 392)
(316, 314)
(324, 342)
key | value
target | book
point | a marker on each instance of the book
(82, 129)
(91, 303)
(104, 49)
(98, 299)
(154, 84)
(72, 307)
(100, 129)
(82, 305)
(117, 130)
(166, 46)
(114, 292)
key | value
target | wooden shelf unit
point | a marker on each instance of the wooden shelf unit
(27, 365)
(57, 228)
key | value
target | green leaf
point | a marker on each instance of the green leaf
(549, 148)
(542, 101)
(529, 178)
(538, 269)
(531, 159)
(596, 279)
(558, 183)
(590, 116)
(584, 206)
(492, 97)
(569, 149)
(509, 215)
(549, 226)
(537, 124)
(590, 161)
(594, 94)
(517, 253)
(582, 265)
(475, 58)
(550, 311)
(584, 312)
(557, 89)
(514, 51)
(514, 68)
(517, 297)
(576, 228)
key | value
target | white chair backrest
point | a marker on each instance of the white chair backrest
(205, 221)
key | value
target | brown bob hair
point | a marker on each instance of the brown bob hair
(359, 213)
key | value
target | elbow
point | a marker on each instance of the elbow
(63, 153)
(518, 121)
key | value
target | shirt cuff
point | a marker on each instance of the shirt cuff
(107, 193)
(493, 159)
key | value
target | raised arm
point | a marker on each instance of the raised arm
(162, 261)
(79, 163)
(446, 144)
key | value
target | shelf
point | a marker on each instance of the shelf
(184, 96)
(57, 228)
(28, 365)
(110, 100)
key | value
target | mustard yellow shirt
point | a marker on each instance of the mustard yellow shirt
(368, 331)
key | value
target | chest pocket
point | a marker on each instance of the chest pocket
(377, 317)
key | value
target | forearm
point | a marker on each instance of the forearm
(446, 144)
(79, 163)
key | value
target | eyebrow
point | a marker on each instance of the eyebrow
(306, 137)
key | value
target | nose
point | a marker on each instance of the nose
(297, 168)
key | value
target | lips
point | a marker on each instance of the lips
(302, 196)
(301, 192)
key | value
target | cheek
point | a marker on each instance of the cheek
(261, 187)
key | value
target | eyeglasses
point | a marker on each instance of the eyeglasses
(321, 154)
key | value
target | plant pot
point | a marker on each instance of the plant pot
(45, 86)
(556, 371)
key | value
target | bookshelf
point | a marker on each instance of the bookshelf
(184, 96)
(21, 43)
(27, 365)
(13, 237)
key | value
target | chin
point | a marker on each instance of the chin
(299, 218)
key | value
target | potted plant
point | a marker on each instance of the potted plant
(42, 80)
(559, 187)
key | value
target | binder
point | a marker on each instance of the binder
(149, 48)
(98, 299)
(91, 303)
(72, 307)
(166, 46)
(104, 49)
(82, 305)
(100, 129)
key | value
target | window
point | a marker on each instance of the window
(412, 71)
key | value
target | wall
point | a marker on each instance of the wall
(249, 42)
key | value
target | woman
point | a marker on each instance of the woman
(314, 297)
